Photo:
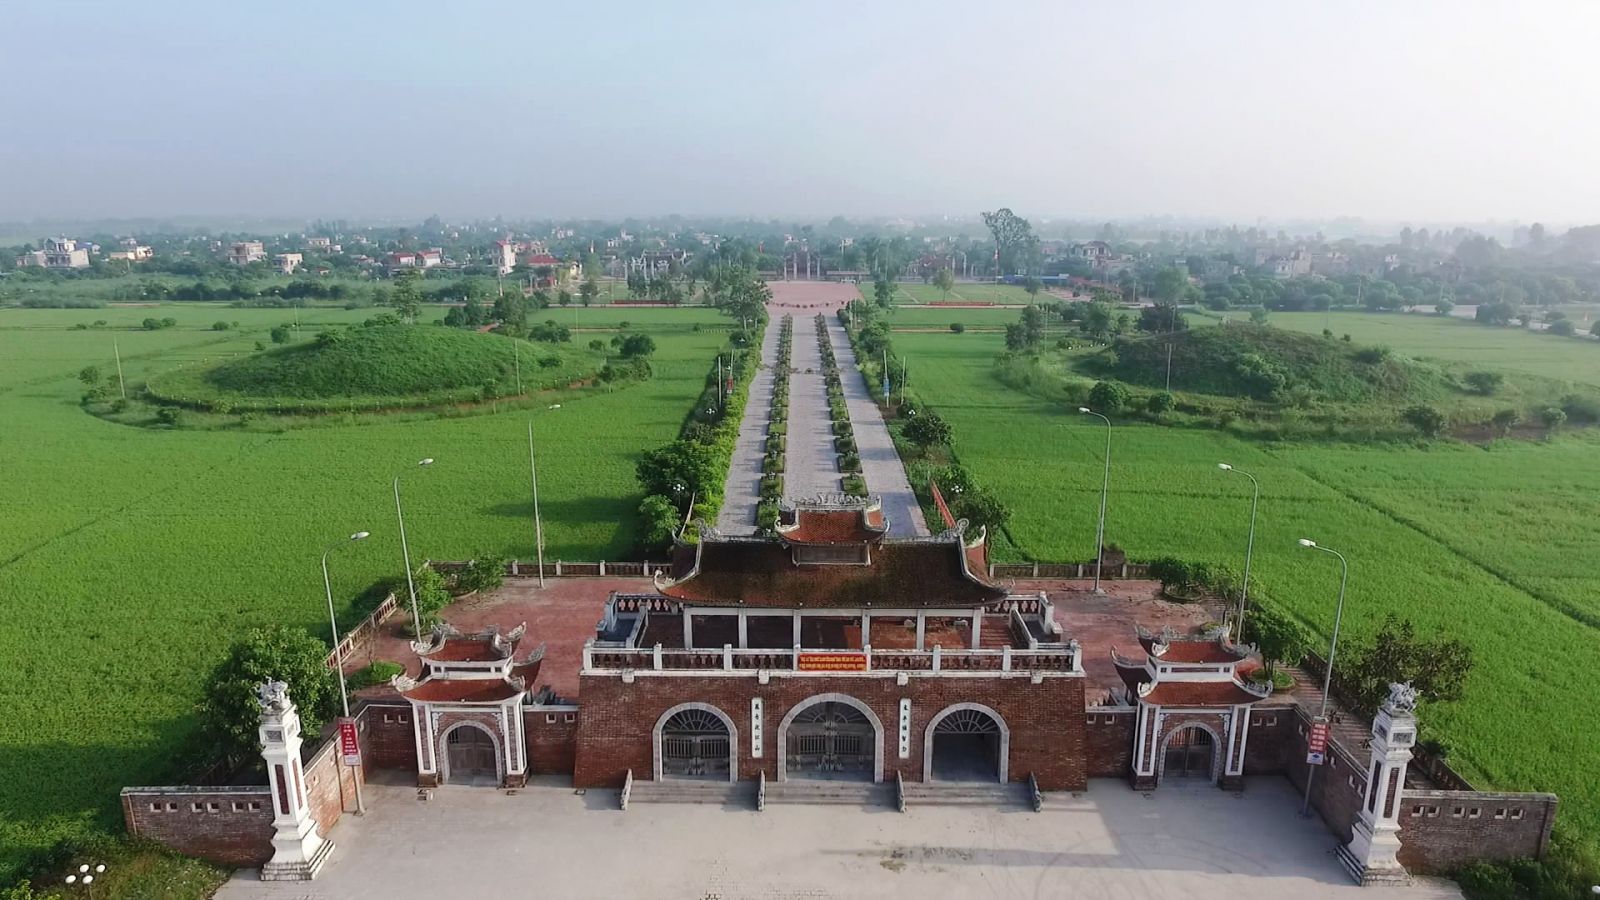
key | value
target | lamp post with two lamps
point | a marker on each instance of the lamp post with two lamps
(533, 475)
(338, 649)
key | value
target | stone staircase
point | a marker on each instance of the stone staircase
(958, 793)
(819, 792)
(739, 794)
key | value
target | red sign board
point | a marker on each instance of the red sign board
(1317, 744)
(832, 662)
(349, 746)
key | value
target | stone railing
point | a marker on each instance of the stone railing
(363, 632)
(1108, 571)
(1060, 659)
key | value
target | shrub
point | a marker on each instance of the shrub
(484, 573)
(379, 672)
(1372, 355)
(637, 345)
(980, 508)
(219, 326)
(1484, 383)
(1107, 397)
(550, 362)
(1505, 420)
(928, 430)
(1160, 403)
(1428, 421)
(168, 415)
(658, 519)
(280, 334)
(597, 345)
(1580, 408)
(550, 333)
(1552, 417)
(1563, 327)
(957, 327)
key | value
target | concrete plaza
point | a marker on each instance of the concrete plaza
(1181, 842)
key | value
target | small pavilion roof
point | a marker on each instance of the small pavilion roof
(446, 644)
(832, 522)
(1199, 693)
(1209, 649)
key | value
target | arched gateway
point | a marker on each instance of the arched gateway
(470, 753)
(967, 742)
(831, 736)
(696, 740)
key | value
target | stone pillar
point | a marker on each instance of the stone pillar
(1144, 774)
(298, 851)
(922, 629)
(1371, 855)
(977, 626)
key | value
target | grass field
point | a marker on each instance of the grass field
(1454, 340)
(1494, 545)
(130, 557)
(910, 292)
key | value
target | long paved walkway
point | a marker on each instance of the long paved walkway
(742, 491)
(880, 462)
(811, 465)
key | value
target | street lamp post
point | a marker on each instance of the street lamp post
(1250, 543)
(1333, 647)
(338, 650)
(538, 524)
(405, 553)
(1105, 487)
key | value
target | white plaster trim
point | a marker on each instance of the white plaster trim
(846, 699)
(733, 737)
(444, 750)
(1005, 739)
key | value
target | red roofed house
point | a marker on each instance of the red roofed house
(466, 706)
(1191, 702)
(831, 652)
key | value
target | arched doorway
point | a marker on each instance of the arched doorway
(1191, 753)
(832, 737)
(695, 742)
(967, 742)
(471, 755)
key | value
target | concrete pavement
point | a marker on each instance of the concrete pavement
(1181, 842)
(742, 490)
(880, 462)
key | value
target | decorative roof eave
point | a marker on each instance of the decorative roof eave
(504, 645)
(977, 544)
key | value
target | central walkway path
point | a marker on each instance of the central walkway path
(811, 464)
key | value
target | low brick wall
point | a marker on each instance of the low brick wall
(1108, 571)
(1441, 831)
(228, 826)
(330, 784)
(1108, 741)
(551, 734)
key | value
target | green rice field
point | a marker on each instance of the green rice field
(1494, 544)
(1455, 339)
(961, 293)
(130, 557)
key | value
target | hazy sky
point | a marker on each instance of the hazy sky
(1396, 110)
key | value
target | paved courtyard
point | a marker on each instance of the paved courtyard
(1180, 843)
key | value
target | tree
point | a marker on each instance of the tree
(638, 285)
(1443, 307)
(511, 311)
(433, 595)
(1552, 417)
(678, 471)
(406, 296)
(637, 345)
(1097, 319)
(945, 281)
(1595, 329)
(1505, 420)
(1032, 285)
(658, 520)
(1437, 668)
(1107, 397)
(1161, 318)
(1171, 283)
(564, 297)
(280, 334)
(927, 430)
(1160, 402)
(1427, 420)
(1278, 638)
(1258, 315)
(1497, 313)
(90, 376)
(1014, 241)
(589, 290)
(1484, 383)
(981, 509)
(883, 292)
(1563, 327)
(229, 711)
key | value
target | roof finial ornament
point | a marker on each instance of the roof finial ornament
(1402, 698)
(273, 696)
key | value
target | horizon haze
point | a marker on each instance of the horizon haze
(1415, 112)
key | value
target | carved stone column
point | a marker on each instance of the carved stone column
(298, 851)
(1372, 854)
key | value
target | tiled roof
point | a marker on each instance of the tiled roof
(1197, 652)
(1199, 693)
(446, 644)
(474, 690)
(833, 526)
(764, 574)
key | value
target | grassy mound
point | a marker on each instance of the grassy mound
(377, 367)
(1265, 363)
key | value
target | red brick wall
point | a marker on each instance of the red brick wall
(1108, 742)
(1332, 793)
(330, 786)
(217, 831)
(1272, 733)
(391, 741)
(1439, 834)
(552, 746)
(1046, 720)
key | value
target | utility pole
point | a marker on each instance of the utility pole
(516, 355)
(538, 526)
(1169, 367)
